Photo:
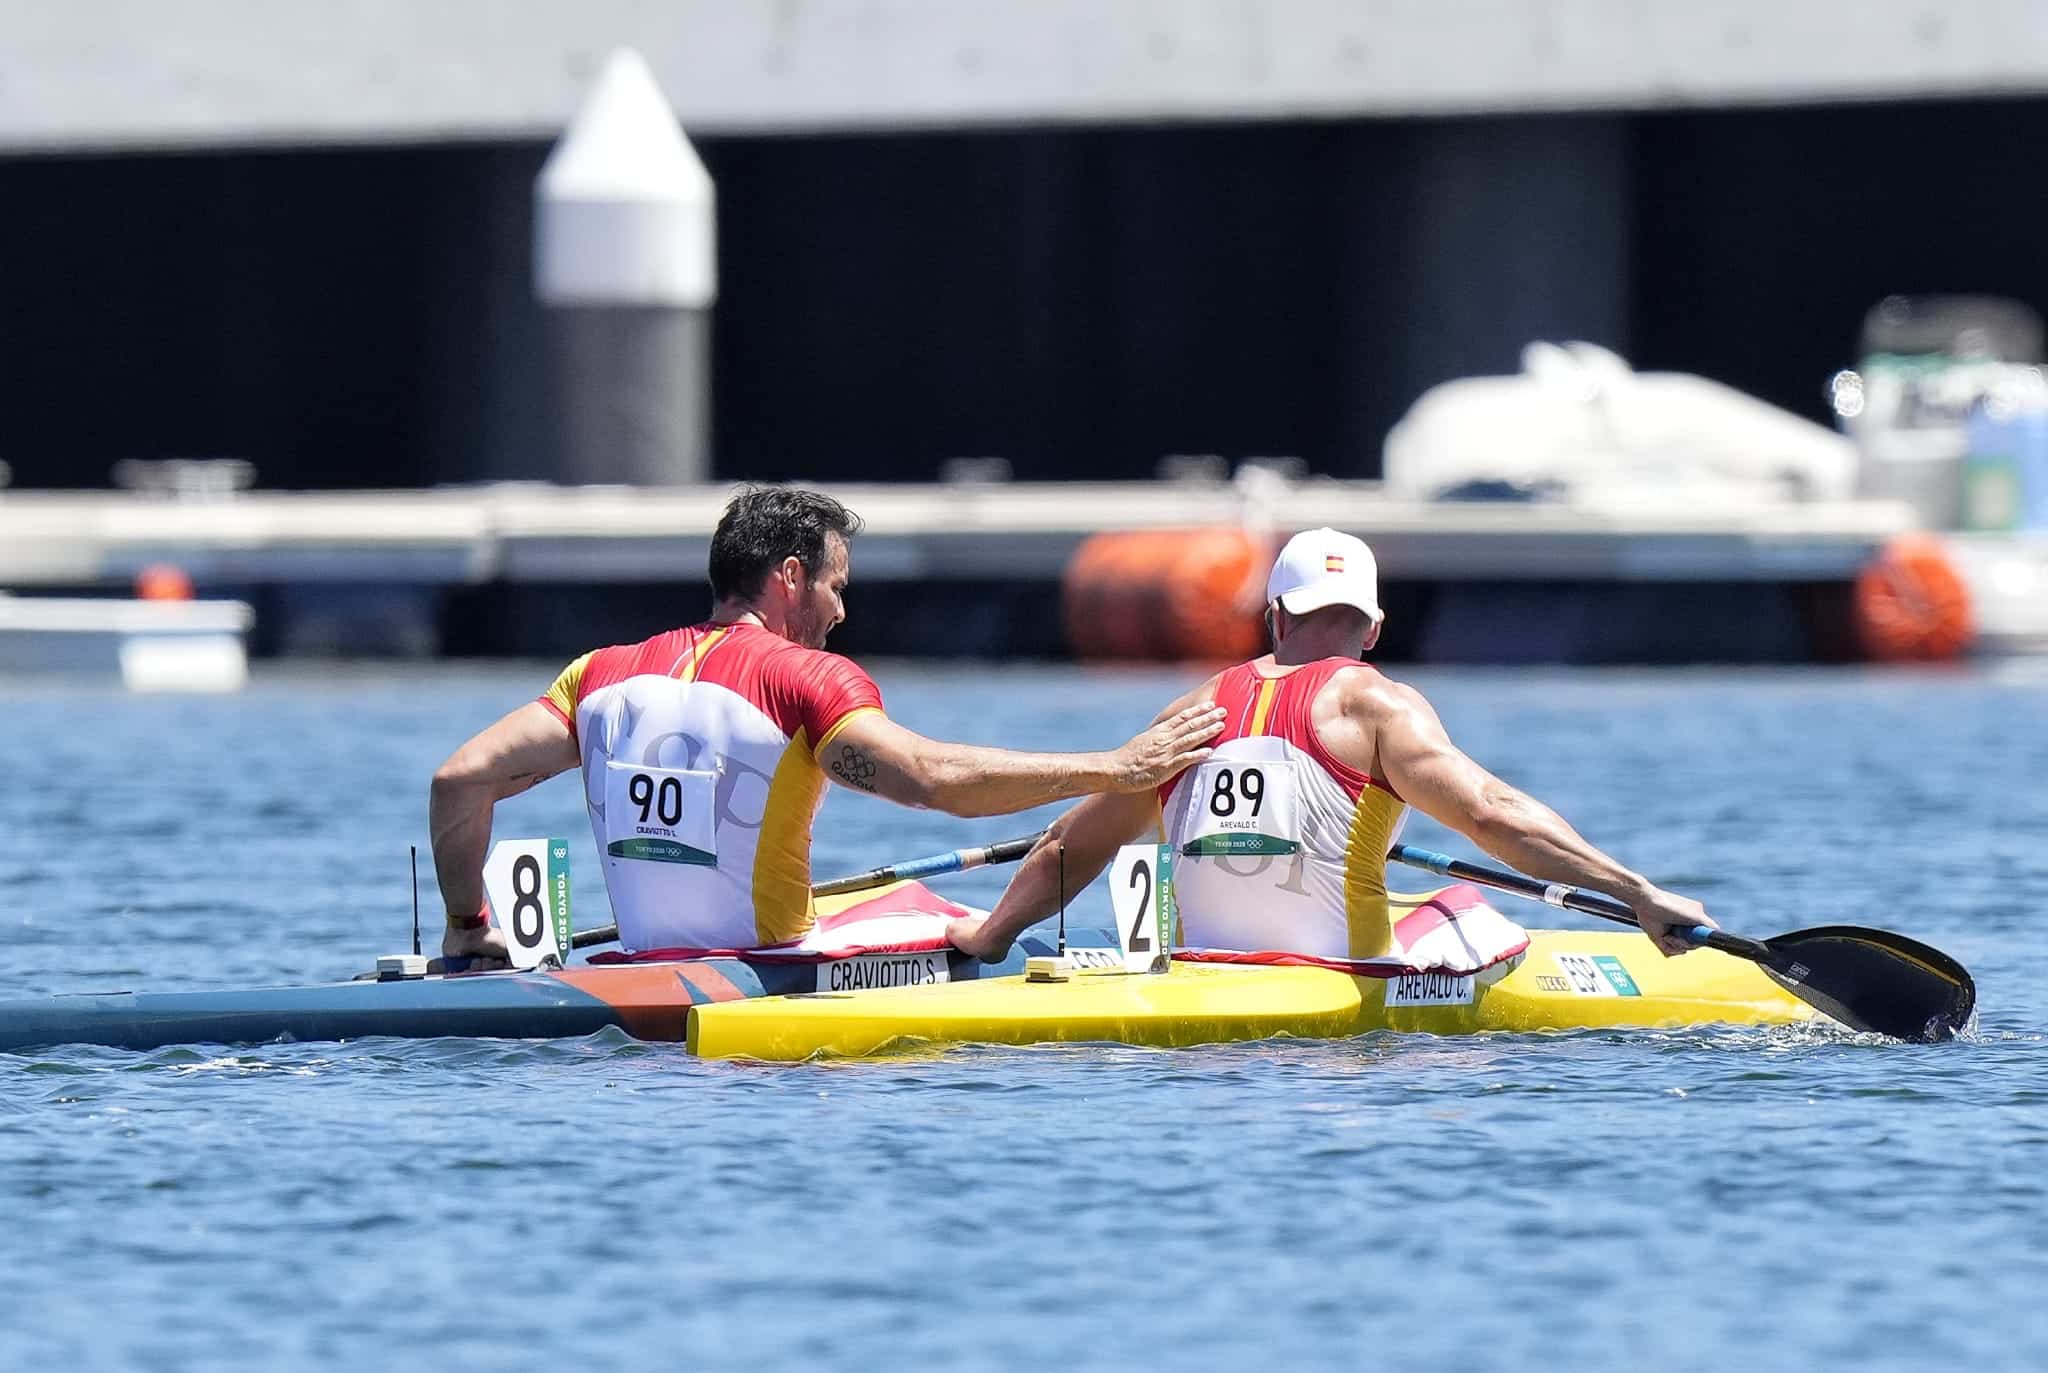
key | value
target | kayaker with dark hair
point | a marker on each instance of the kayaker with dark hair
(705, 751)
(1283, 833)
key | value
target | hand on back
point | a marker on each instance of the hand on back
(1169, 747)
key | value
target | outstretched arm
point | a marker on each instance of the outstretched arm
(1428, 771)
(527, 746)
(1092, 832)
(875, 754)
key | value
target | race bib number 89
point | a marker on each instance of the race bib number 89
(1242, 807)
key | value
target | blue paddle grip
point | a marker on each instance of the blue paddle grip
(929, 867)
(1427, 859)
(1696, 934)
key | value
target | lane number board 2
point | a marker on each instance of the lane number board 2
(1141, 897)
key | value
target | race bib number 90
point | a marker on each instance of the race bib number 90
(1240, 807)
(660, 815)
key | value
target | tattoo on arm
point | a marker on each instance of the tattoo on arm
(522, 781)
(853, 767)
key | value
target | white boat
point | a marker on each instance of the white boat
(148, 645)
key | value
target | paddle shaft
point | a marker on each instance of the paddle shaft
(1570, 898)
(959, 860)
(938, 864)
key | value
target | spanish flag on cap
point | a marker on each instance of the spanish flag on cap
(1322, 567)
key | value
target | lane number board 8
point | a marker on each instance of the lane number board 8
(527, 882)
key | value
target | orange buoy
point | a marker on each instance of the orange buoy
(1165, 594)
(163, 582)
(1911, 605)
(1101, 606)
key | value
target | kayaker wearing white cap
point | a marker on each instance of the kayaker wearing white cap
(1285, 828)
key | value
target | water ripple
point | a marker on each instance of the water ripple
(1505, 1201)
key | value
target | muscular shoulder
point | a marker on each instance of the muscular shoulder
(601, 667)
(815, 691)
(1198, 696)
(655, 656)
(1363, 694)
(1202, 695)
(1357, 708)
(814, 666)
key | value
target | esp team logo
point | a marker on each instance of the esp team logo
(1333, 562)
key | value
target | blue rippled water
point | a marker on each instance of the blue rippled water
(1681, 1200)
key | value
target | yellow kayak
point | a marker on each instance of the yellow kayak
(1566, 980)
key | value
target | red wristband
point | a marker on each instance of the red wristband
(471, 922)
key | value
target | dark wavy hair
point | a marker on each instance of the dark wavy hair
(765, 524)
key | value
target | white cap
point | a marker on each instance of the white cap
(1320, 567)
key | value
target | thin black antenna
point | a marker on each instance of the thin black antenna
(415, 896)
(1063, 898)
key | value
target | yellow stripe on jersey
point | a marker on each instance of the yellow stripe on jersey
(782, 849)
(1268, 688)
(1367, 918)
(686, 670)
(568, 688)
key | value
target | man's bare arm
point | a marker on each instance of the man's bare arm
(527, 746)
(1092, 832)
(875, 754)
(1428, 771)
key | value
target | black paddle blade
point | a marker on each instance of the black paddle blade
(1875, 980)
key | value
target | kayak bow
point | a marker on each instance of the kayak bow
(1870, 980)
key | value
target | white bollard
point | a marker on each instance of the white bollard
(625, 256)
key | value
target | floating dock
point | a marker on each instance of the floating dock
(966, 569)
(146, 645)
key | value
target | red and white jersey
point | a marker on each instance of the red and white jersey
(703, 767)
(1282, 846)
